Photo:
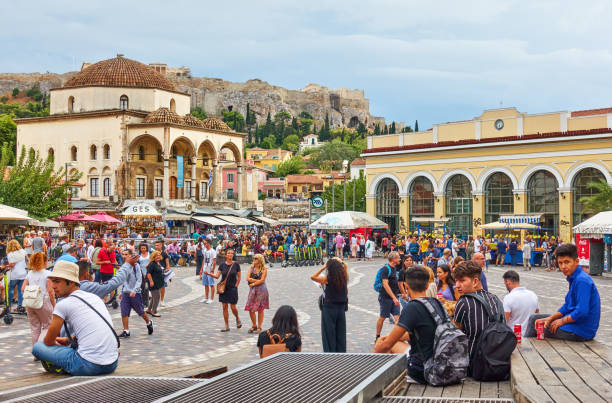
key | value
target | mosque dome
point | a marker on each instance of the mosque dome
(216, 124)
(164, 115)
(191, 120)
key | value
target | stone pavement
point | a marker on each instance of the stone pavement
(188, 331)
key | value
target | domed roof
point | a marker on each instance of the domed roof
(191, 120)
(164, 115)
(216, 124)
(120, 72)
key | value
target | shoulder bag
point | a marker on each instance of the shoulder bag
(277, 345)
(73, 340)
(221, 286)
(32, 297)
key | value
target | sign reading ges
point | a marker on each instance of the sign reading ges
(317, 202)
(140, 209)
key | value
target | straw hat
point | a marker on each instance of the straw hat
(66, 270)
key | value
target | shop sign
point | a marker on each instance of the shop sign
(317, 202)
(141, 209)
(583, 250)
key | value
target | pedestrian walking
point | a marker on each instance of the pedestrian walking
(209, 261)
(155, 278)
(16, 257)
(40, 318)
(229, 271)
(258, 298)
(131, 297)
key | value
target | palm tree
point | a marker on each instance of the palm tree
(600, 201)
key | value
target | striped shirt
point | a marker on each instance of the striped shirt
(473, 316)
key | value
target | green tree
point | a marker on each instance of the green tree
(338, 192)
(305, 126)
(377, 129)
(8, 133)
(15, 92)
(416, 125)
(269, 126)
(283, 117)
(248, 114)
(291, 143)
(305, 115)
(199, 112)
(234, 119)
(34, 185)
(292, 166)
(269, 142)
(601, 199)
(330, 155)
(324, 134)
(362, 130)
(392, 129)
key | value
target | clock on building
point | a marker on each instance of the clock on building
(499, 124)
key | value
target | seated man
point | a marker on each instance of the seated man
(578, 318)
(471, 315)
(97, 351)
(414, 319)
(520, 303)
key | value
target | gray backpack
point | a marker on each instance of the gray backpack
(450, 361)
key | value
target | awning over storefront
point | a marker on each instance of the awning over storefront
(210, 220)
(46, 223)
(521, 219)
(267, 220)
(177, 217)
(595, 227)
(430, 219)
(293, 221)
(238, 220)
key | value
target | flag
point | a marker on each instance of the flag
(210, 176)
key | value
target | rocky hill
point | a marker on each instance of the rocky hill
(346, 108)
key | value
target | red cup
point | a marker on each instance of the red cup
(540, 330)
(439, 295)
(517, 332)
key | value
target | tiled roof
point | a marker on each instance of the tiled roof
(216, 124)
(303, 179)
(589, 112)
(120, 72)
(357, 161)
(256, 149)
(164, 115)
(191, 120)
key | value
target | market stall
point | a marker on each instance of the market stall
(178, 222)
(141, 218)
(594, 240)
(514, 230)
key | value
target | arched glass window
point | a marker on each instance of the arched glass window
(106, 187)
(459, 205)
(543, 198)
(106, 152)
(141, 153)
(71, 104)
(73, 153)
(581, 189)
(498, 196)
(172, 105)
(123, 102)
(93, 152)
(421, 201)
(387, 203)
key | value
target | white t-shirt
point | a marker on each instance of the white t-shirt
(18, 257)
(39, 278)
(476, 245)
(97, 343)
(209, 255)
(521, 304)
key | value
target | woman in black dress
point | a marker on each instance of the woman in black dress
(229, 271)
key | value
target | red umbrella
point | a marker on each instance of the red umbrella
(102, 217)
(77, 216)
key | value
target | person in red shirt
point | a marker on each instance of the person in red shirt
(106, 260)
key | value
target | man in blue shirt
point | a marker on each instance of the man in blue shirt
(578, 319)
(70, 255)
(501, 252)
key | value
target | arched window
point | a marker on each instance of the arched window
(172, 105)
(70, 104)
(51, 154)
(93, 152)
(421, 200)
(106, 152)
(498, 196)
(123, 102)
(581, 189)
(141, 153)
(106, 187)
(459, 205)
(73, 153)
(543, 198)
(387, 203)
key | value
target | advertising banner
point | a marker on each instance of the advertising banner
(179, 171)
(583, 250)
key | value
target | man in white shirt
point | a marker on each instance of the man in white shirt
(208, 266)
(527, 249)
(477, 243)
(520, 303)
(87, 320)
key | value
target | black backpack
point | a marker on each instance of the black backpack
(491, 359)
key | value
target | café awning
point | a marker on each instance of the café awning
(267, 220)
(210, 220)
(521, 219)
(240, 221)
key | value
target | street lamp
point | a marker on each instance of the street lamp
(66, 165)
(344, 169)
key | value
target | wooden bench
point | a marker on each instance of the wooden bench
(561, 371)
(124, 369)
(469, 389)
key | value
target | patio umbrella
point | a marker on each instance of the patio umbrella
(345, 220)
(102, 217)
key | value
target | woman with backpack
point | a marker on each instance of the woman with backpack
(40, 318)
(285, 330)
(335, 304)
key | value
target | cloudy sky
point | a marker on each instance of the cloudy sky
(435, 62)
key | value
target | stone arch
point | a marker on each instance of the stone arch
(159, 172)
(106, 170)
(183, 146)
(206, 150)
(447, 176)
(569, 182)
(526, 175)
(93, 152)
(124, 102)
(415, 175)
(106, 152)
(234, 149)
(172, 105)
(93, 171)
(353, 122)
(486, 174)
(379, 178)
(150, 143)
(73, 153)
(141, 171)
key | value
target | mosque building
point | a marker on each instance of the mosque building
(531, 167)
(129, 130)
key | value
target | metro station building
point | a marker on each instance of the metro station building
(503, 162)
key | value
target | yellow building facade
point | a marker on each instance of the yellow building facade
(500, 163)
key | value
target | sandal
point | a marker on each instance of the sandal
(253, 329)
(225, 330)
(238, 324)
(258, 330)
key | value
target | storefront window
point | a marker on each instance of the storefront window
(543, 198)
(387, 203)
(498, 196)
(581, 189)
(459, 206)
(421, 201)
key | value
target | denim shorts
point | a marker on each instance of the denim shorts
(208, 280)
(387, 307)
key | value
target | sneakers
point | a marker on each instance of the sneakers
(204, 300)
(209, 301)
(162, 304)
(150, 327)
(125, 333)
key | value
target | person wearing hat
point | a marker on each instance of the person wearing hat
(91, 346)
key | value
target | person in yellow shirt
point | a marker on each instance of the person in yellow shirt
(424, 246)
